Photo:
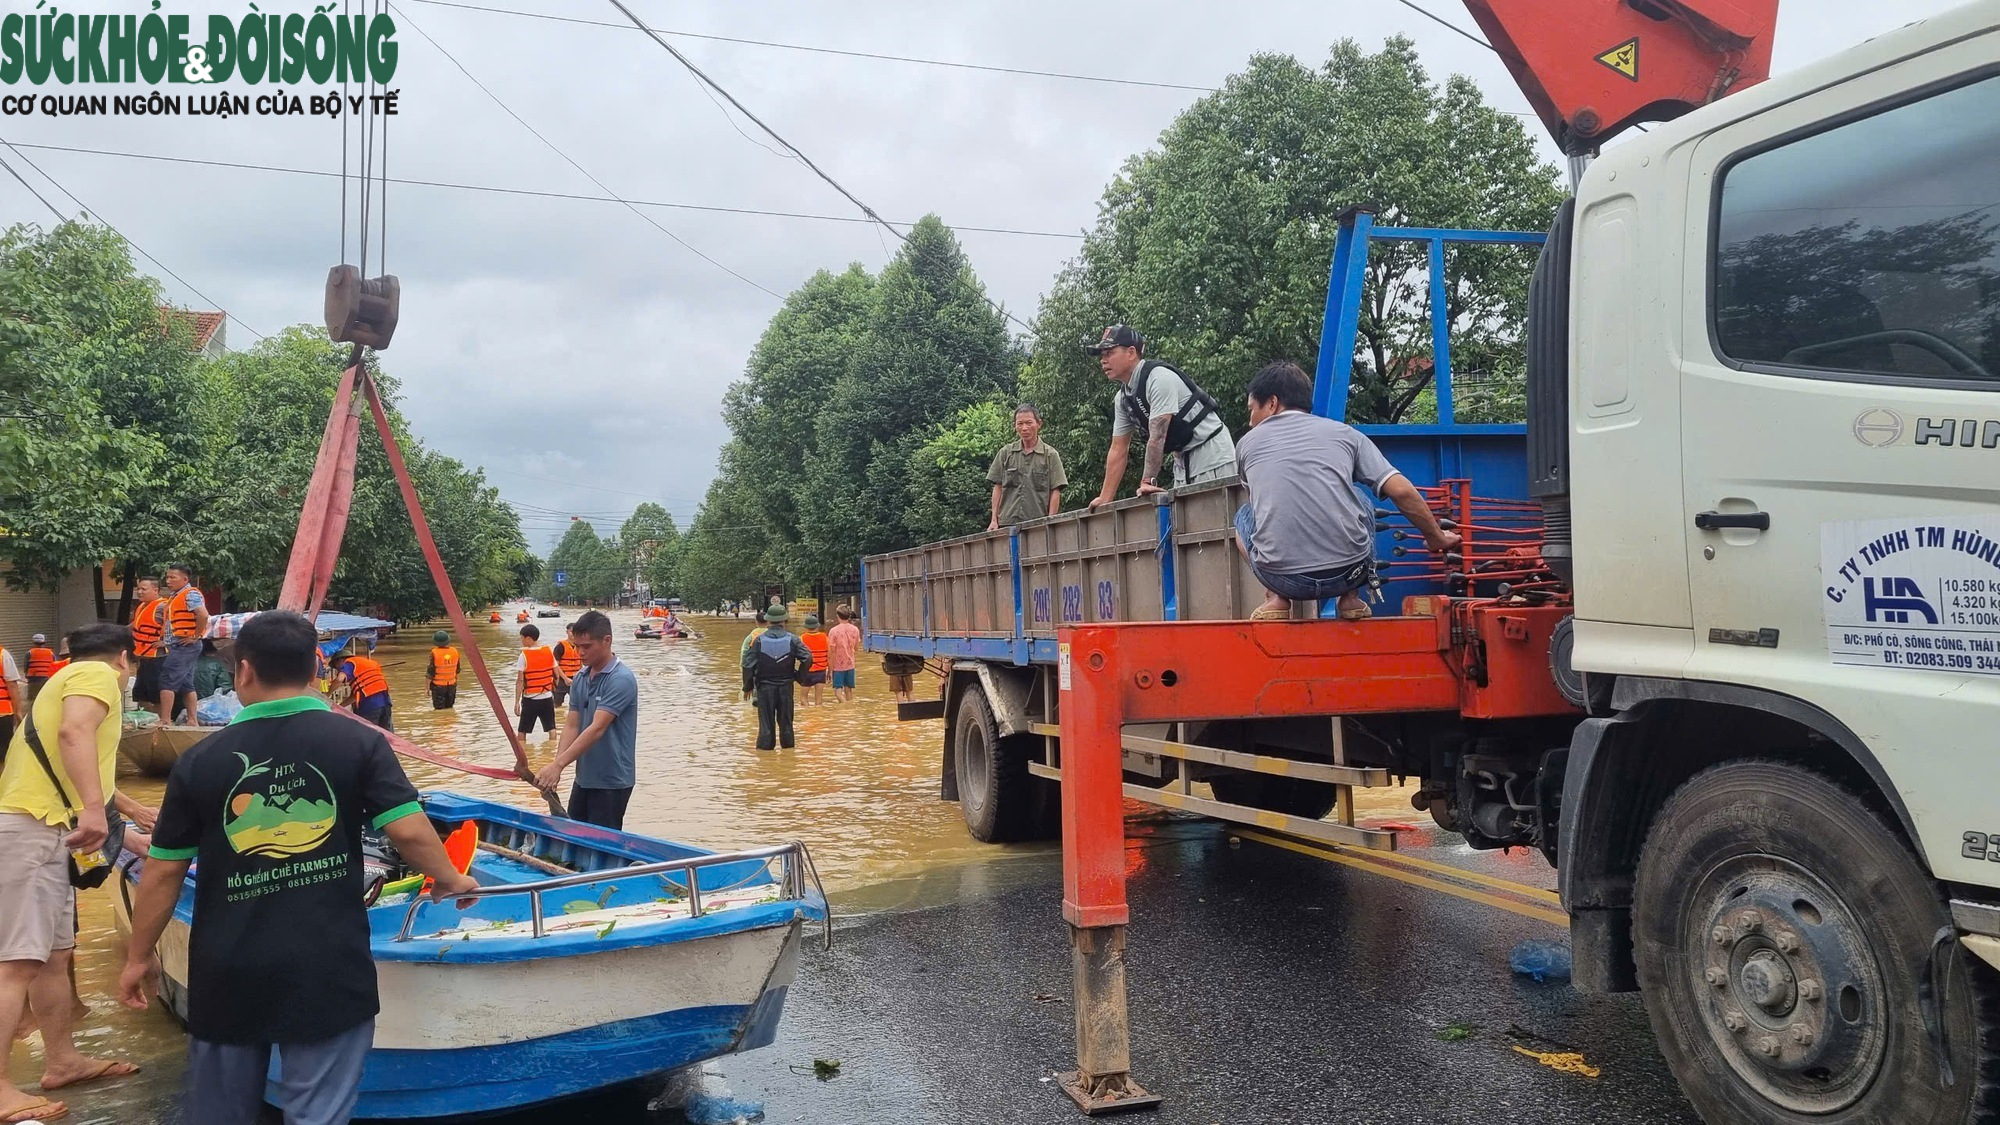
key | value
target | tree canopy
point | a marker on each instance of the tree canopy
(132, 447)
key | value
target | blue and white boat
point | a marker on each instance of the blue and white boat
(589, 958)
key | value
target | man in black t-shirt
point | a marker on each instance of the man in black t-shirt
(273, 806)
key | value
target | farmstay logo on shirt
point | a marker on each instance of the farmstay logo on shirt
(321, 46)
(275, 813)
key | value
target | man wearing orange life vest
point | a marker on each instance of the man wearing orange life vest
(186, 618)
(13, 695)
(535, 679)
(442, 673)
(149, 627)
(815, 678)
(41, 664)
(368, 694)
(569, 662)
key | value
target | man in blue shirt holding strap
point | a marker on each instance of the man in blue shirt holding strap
(601, 732)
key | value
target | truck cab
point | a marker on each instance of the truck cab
(1765, 404)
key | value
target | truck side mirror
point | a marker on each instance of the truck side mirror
(362, 312)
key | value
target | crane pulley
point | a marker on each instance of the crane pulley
(1594, 68)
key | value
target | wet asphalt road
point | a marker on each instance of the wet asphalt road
(1265, 986)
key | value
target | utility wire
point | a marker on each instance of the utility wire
(789, 146)
(496, 189)
(832, 50)
(31, 190)
(1442, 22)
(580, 168)
(88, 209)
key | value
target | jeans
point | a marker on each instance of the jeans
(1311, 586)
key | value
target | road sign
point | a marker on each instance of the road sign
(562, 579)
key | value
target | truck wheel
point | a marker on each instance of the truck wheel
(1784, 936)
(1271, 793)
(994, 794)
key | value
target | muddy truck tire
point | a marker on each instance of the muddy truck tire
(996, 793)
(1788, 943)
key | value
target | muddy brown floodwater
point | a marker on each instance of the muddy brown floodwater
(860, 790)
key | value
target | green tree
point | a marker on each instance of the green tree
(949, 495)
(723, 555)
(648, 541)
(593, 569)
(249, 517)
(109, 421)
(933, 345)
(1216, 245)
(772, 410)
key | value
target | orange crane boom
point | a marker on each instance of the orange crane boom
(1594, 68)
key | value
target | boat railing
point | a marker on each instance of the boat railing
(796, 874)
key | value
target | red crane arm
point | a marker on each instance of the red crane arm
(1594, 68)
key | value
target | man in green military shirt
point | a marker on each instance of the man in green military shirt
(1027, 474)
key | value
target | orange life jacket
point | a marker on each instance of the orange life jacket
(6, 696)
(60, 665)
(180, 616)
(568, 659)
(539, 670)
(147, 630)
(367, 677)
(41, 662)
(521, 616)
(816, 644)
(446, 660)
(494, 617)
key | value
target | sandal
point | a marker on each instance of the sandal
(105, 1068)
(1271, 613)
(38, 1109)
(1357, 613)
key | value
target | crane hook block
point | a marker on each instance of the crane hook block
(362, 312)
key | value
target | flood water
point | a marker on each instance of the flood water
(860, 790)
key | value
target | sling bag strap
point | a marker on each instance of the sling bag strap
(41, 755)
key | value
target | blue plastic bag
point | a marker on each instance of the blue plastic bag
(1541, 959)
(217, 709)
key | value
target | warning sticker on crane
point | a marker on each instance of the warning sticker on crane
(1913, 593)
(1624, 58)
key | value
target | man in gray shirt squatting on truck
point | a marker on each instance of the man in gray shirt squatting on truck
(1307, 533)
(1158, 401)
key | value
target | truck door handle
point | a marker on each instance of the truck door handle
(1717, 521)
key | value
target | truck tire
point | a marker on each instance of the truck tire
(994, 791)
(1784, 938)
(1271, 793)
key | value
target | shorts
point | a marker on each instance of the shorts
(542, 709)
(444, 696)
(812, 679)
(602, 807)
(320, 1082)
(40, 914)
(146, 684)
(559, 693)
(177, 667)
(1312, 586)
(843, 679)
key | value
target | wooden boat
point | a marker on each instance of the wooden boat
(153, 749)
(641, 957)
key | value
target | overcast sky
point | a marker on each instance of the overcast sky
(579, 354)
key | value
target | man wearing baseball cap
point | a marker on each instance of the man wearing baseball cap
(1158, 401)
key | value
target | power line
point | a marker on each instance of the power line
(1445, 23)
(31, 190)
(833, 50)
(789, 146)
(579, 484)
(88, 209)
(499, 190)
(654, 223)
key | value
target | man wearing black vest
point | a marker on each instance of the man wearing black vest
(1175, 416)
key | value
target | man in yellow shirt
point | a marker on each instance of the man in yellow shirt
(76, 720)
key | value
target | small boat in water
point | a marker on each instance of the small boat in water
(153, 749)
(589, 958)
